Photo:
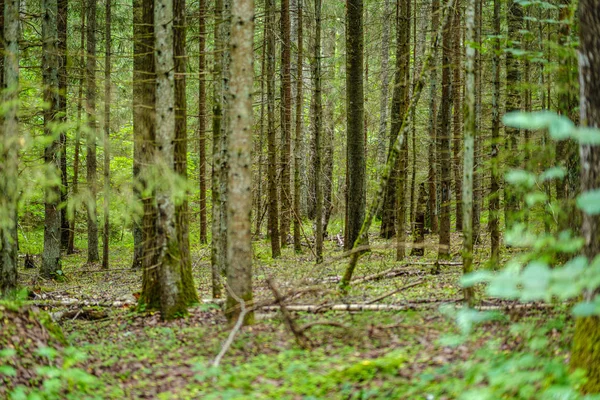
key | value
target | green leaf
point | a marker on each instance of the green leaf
(589, 202)
(559, 127)
(519, 177)
(553, 173)
(7, 370)
(589, 136)
(535, 280)
(586, 309)
(475, 278)
(535, 198)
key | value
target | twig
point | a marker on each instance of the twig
(301, 338)
(393, 292)
(235, 330)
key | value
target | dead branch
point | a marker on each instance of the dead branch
(236, 327)
(393, 292)
(301, 338)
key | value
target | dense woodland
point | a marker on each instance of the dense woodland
(355, 199)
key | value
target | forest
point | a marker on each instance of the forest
(300, 199)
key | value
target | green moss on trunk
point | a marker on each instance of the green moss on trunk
(586, 351)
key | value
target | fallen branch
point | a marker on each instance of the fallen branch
(235, 330)
(393, 292)
(322, 323)
(301, 338)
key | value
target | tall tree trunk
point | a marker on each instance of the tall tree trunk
(318, 115)
(286, 123)
(586, 353)
(9, 190)
(261, 137)
(469, 142)
(107, 100)
(355, 110)
(91, 161)
(217, 241)
(433, 126)
(271, 134)
(400, 103)
(202, 116)
(513, 102)
(76, 146)
(180, 163)
(458, 112)
(62, 7)
(385, 81)
(51, 254)
(298, 134)
(495, 175)
(239, 245)
(478, 153)
(444, 139)
(174, 298)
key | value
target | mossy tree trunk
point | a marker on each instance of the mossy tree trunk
(586, 343)
(9, 135)
(106, 137)
(318, 127)
(286, 123)
(52, 224)
(62, 9)
(202, 14)
(494, 200)
(298, 134)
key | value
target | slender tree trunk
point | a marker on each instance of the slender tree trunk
(433, 126)
(419, 234)
(217, 130)
(458, 111)
(107, 100)
(445, 160)
(400, 103)
(51, 254)
(271, 134)
(261, 136)
(239, 245)
(478, 153)
(180, 163)
(355, 152)
(298, 137)
(286, 123)
(318, 130)
(91, 161)
(513, 102)
(202, 117)
(495, 176)
(75, 185)
(385, 81)
(469, 141)
(9, 190)
(586, 353)
(413, 116)
(62, 110)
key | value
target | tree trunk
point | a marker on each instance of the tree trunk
(433, 126)
(9, 191)
(478, 154)
(91, 162)
(62, 8)
(458, 112)
(513, 102)
(52, 225)
(261, 137)
(286, 123)
(385, 81)
(444, 139)
(202, 116)
(355, 109)
(76, 147)
(298, 135)
(143, 119)
(469, 140)
(107, 100)
(400, 103)
(239, 245)
(271, 134)
(419, 234)
(494, 200)
(586, 353)
(318, 130)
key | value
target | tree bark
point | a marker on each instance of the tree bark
(458, 112)
(271, 134)
(286, 123)
(202, 117)
(478, 154)
(9, 135)
(586, 353)
(62, 9)
(494, 201)
(298, 135)
(91, 161)
(107, 100)
(318, 111)
(52, 224)
(385, 81)
(239, 245)
(433, 126)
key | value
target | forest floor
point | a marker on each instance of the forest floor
(409, 352)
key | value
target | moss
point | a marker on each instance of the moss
(586, 352)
